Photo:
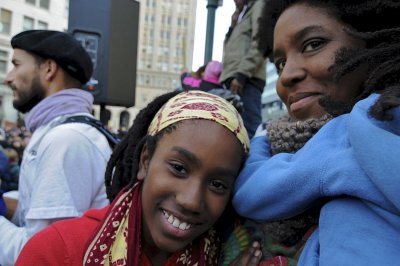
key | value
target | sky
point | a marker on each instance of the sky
(222, 23)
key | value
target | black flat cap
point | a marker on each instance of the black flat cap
(61, 47)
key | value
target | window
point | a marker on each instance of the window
(33, 2)
(42, 25)
(44, 4)
(27, 23)
(178, 51)
(5, 21)
(3, 61)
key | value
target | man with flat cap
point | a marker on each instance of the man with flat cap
(64, 163)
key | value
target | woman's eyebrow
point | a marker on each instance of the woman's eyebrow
(299, 36)
(307, 30)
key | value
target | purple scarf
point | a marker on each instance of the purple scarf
(64, 102)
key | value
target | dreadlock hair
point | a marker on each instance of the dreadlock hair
(123, 165)
(373, 21)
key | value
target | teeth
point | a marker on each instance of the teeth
(182, 226)
(176, 222)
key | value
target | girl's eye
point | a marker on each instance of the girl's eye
(313, 44)
(218, 186)
(178, 168)
(279, 65)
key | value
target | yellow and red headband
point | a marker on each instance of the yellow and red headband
(200, 105)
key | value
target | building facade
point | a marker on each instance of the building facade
(165, 46)
(166, 41)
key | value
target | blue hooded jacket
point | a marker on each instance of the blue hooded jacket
(353, 161)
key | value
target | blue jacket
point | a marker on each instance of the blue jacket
(2, 205)
(354, 161)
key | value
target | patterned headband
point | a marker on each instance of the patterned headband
(200, 105)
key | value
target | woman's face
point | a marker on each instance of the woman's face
(187, 183)
(306, 40)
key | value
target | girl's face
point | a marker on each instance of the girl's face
(306, 40)
(187, 184)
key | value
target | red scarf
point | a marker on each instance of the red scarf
(117, 241)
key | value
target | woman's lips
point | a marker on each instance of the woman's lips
(300, 101)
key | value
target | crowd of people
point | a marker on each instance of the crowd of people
(193, 181)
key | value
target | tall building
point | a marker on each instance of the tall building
(166, 40)
(165, 48)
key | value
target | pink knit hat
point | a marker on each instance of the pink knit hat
(212, 72)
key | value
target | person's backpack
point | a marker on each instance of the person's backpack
(111, 138)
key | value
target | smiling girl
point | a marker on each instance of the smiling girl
(170, 181)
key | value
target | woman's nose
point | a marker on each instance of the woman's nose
(292, 73)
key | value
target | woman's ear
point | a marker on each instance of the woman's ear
(143, 163)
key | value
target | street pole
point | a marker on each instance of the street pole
(212, 5)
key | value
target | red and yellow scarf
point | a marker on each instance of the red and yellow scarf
(117, 241)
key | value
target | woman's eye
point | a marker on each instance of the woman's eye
(313, 45)
(279, 65)
(218, 186)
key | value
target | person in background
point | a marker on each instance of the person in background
(209, 79)
(3, 168)
(170, 190)
(63, 165)
(190, 81)
(3, 207)
(211, 76)
(331, 61)
(243, 63)
(10, 182)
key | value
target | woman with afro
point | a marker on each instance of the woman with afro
(334, 187)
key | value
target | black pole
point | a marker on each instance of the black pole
(212, 5)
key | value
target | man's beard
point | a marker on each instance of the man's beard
(28, 99)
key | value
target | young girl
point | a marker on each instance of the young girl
(170, 181)
(339, 58)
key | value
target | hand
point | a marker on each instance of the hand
(250, 257)
(236, 87)
(11, 205)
